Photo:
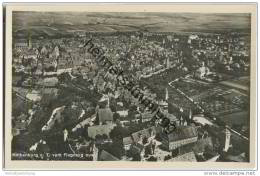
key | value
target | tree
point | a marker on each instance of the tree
(116, 116)
(118, 133)
(104, 136)
(152, 158)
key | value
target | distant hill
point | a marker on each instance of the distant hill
(55, 24)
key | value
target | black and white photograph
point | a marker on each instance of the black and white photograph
(155, 87)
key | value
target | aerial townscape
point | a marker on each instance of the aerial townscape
(67, 106)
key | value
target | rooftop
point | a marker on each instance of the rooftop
(185, 157)
(105, 114)
(105, 156)
(183, 132)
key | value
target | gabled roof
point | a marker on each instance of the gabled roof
(183, 132)
(147, 115)
(34, 95)
(49, 81)
(144, 133)
(238, 158)
(22, 117)
(136, 148)
(50, 91)
(100, 129)
(105, 156)
(105, 114)
(171, 117)
(202, 144)
(127, 140)
(21, 125)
